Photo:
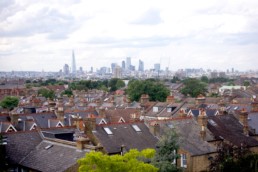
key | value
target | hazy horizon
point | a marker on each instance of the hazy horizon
(216, 34)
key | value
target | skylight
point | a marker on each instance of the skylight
(136, 128)
(108, 131)
(212, 122)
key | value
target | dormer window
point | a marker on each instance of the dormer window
(155, 109)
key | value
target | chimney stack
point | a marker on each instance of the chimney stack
(155, 128)
(144, 98)
(60, 110)
(170, 99)
(202, 121)
(244, 121)
(81, 142)
(200, 99)
(254, 104)
(90, 123)
(14, 118)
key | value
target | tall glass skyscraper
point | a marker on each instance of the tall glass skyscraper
(73, 65)
(141, 66)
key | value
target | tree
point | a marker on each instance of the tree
(9, 102)
(246, 83)
(67, 92)
(130, 161)
(205, 79)
(156, 90)
(116, 84)
(166, 155)
(193, 87)
(46, 93)
(231, 158)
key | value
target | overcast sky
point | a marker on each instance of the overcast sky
(211, 34)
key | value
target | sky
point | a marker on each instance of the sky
(209, 34)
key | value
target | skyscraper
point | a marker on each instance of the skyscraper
(66, 70)
(73, 65)
(128, 63)
(141, 66)
(157, 67)
(117, 72)
(123, 65)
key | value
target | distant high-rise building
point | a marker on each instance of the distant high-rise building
(91, 69)
(113, 65)
(157, 67)
(66, 70)
(128, 63)
(73, 65)
(117, 72)
(141, 66)
(123, 65)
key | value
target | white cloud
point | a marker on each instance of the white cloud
(209, 34)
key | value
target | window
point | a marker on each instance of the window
(155, 109)
(136, 128)
(174, 161)
(183, 160)
(108, 131)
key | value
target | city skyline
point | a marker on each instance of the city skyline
(36, 36)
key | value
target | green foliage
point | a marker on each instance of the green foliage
(156, 90)
(67, 92)
(220, 80)
(116, 84)
(166, 152)
(131, 161)
(233, 158)
(175, 79)
(205, 79)
(9, 102)
(46, 93)
(246, 83)
(88, 84)
(194, 87)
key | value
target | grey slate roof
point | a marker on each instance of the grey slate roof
(189, 136)
(124, 134)
(57, 158)
(253, 121)
(229, 128)
(20, 144)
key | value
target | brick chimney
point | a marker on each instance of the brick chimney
(144, 98)
(90, 124)
(202, 121)
(60, 110)
(101, 112)
(81, 142)
(71, 101)
(200, 99)
(254, 105)
(155, 128)
(14, 118)
(170, 99)
(244, 121)
(182, 113)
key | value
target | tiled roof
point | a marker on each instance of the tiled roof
(229, 128)
(20, 144)
(253, 121)
(56, 158)
(125, 134)
(189, 135)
